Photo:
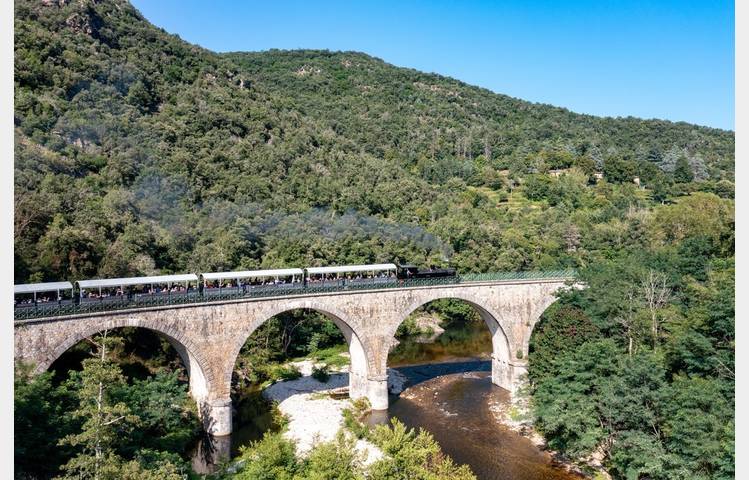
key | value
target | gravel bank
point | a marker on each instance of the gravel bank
(316, 417)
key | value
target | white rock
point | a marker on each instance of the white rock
(314, 416)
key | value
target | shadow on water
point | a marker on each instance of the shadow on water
(209, 452)
(416, 374)
(253, 416)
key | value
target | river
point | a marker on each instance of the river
(449, 393)
(457, 409)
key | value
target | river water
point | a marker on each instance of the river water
(449, 393)
(456, 408)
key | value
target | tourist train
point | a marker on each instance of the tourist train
(220, 283)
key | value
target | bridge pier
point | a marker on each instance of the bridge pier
(508, 374)
(373, 389)
(216, 416)
(377, 392)
(357, 367)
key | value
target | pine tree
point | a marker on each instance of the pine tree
(105, 421)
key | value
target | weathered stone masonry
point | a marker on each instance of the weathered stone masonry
(209, 336)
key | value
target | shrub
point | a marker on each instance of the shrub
(352, 419)
(408, 328)
(412, 455)
(321, 373)
(285, 372)
(272, 458)
(337, 459)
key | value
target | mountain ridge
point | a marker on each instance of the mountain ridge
(463, 83)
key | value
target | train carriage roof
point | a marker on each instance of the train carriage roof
(117, 282)
(352, 268)
(280, 272)
(42, 287)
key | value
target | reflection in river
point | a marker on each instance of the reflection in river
(209, 452)
(471, 341)
(252, 418)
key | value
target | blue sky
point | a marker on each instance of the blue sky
(652, 59)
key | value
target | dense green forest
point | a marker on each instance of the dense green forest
(639, 367)
(137, 153)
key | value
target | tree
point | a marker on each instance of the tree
(567, 405)
(657, 294)
(628, 319)
(165, 423)
(561, 329)
(337, 459)
(412, 456)
(683, 171)
(699, 427)
(537, 187)
(105, 420)
(272, 458)
(40, 420)
(617, 170)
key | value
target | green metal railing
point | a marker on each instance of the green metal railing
(145, 301)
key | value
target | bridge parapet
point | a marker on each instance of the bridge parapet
(53, 310)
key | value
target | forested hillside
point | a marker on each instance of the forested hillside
(139, 153)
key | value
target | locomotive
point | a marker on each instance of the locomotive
(406, 272)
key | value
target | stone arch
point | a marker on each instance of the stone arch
(492, 318)
(546, 299)
(359, 349)
(502, 337)
(201, 378)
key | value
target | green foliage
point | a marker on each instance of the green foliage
(285, 372)
(321, 373)
(41, 420)
(137, 153)
(618, 170)
(108, 422)
(655, 405)
(561, 329)
(411, 456)
(164, 424)
(332, 356)
(683, 171)
(336, 460)
(408, 455)
(408, 328)
(105, 419)
(272, 458)
(352, 424)
(698, 427)
(353, 418)
(289, 335)
(98, 423)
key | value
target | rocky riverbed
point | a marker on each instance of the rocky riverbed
(316, 416)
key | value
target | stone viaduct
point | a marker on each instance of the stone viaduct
(209, 336)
